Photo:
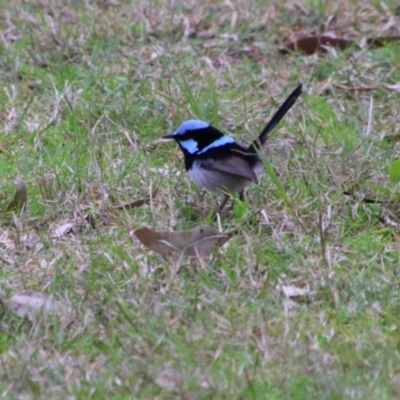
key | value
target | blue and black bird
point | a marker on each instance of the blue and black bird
(216, 162)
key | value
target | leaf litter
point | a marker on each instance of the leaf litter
(32, 304)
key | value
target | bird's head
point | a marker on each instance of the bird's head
(196, 137)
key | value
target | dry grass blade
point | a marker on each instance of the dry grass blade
(137, 203)
(199, 242)
(21, 196)
(133, 204)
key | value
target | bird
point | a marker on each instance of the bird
(214, 161)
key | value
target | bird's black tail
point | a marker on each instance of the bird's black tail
(283, 109)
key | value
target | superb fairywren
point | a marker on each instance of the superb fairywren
(216, 162)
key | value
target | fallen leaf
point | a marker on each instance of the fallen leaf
(64, 229)
(30, 304)
(108, 3)
(382, 40)
(312, 44)
(199, 242)
(21, 196)
(395, 88)
(366, 200)
(293, 291)
(387, 221)
(90, 219)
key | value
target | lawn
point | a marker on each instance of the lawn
(302, 302)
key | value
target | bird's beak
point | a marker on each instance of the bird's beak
(170, 136)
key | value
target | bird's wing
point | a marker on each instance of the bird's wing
(233, 165)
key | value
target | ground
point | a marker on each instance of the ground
(301, 303)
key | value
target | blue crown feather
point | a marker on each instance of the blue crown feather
(190, 125)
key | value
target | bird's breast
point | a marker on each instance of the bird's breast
(217, 180)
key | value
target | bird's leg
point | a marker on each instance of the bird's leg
(202, 195)
(224, 199)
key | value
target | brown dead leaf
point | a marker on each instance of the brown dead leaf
(199, 242)
(382, 40)
(313, 44)
(20, 198)
(31, 304)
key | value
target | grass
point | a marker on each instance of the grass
(87, 91)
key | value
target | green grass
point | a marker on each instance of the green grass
(87, 90)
